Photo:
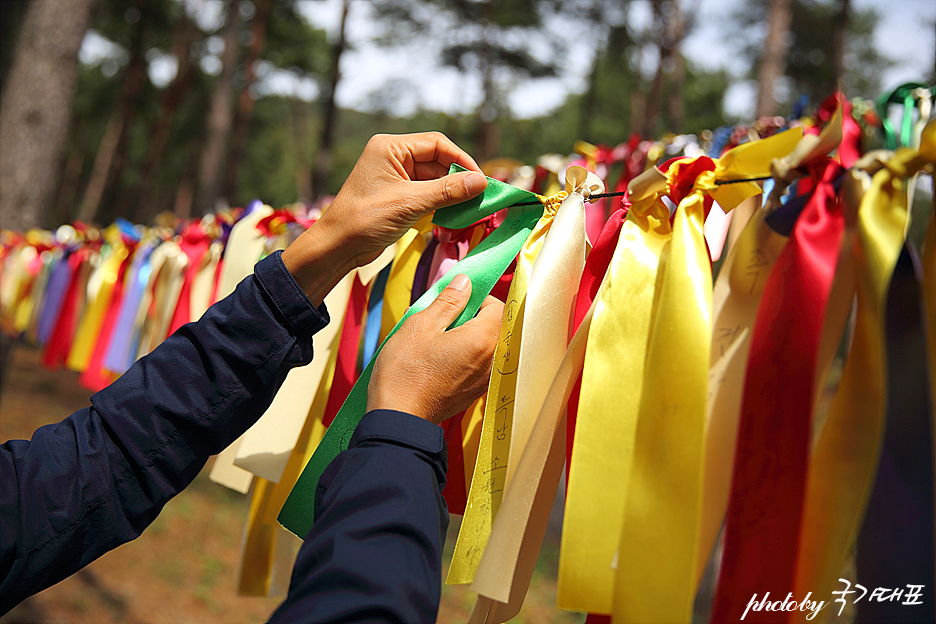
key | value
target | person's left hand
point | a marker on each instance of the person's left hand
(397, 180)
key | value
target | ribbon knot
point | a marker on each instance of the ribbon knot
(585, 183)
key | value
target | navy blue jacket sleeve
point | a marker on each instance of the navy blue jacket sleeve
(374, 553)
(98, 478)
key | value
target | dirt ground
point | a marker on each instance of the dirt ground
(183, 569)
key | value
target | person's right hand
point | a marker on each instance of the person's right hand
(432, 373)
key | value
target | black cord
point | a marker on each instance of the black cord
(599, 196)
(619, 193)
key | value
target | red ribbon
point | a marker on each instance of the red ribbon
(57, 348)
(194, 245)
(763, 521)
(346, 370)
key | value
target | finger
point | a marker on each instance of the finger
(488, 320)
(429, 170)
(446, 191)
(435, 146)
(448, 305)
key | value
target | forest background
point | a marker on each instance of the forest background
(133, 108)
(129, 108)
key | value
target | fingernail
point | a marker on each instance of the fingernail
(475, 183)
(461, 282)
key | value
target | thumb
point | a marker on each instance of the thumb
(448, 305)
(449, 190)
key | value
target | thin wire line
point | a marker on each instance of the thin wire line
(619, 193)
(598, 196)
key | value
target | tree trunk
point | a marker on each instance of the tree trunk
(186, 34)
(94, 191)
(773, 64)
(839, 33)
(675, 104)
(656, 88)
(36, 109)
(245, 102)
(220, 115)
(321, 172)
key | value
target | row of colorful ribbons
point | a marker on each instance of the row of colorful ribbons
(677, 407)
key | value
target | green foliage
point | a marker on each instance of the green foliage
(293, 43)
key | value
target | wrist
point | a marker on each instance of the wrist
(317, 262)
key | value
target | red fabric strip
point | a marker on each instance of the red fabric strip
(454, 493)
(346, 372)
(769, 480)
(195, 243)
(56, 349)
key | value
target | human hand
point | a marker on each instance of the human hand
(397, 180)
(433, 373)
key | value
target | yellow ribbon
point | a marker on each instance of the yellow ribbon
(399, 289)
(659, 545)
(487, 482)
(244, 247)
(656, 567)
(89, 329)
(735, 296)
(845, 454)
(518, 529)
(612, 379)
(265, 448)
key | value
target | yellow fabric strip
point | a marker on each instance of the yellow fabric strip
(33, 290)
(244, 247)
(399, 287)
(845, 455)
(547, 317)
(657, 564)
(89, 328)
(471, 437)
(265, 447)
(606, 423)
(487, 482)
(165, 294)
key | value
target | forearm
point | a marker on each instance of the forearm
(96, 480)
(375, 552)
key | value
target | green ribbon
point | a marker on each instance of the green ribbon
(904, 94)
(484, 265)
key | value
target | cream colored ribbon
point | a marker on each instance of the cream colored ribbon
(244, 248)
(538, 439)
(735, 298)
(488, 477)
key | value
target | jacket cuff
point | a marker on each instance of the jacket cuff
(403, 429)
(280, 286)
